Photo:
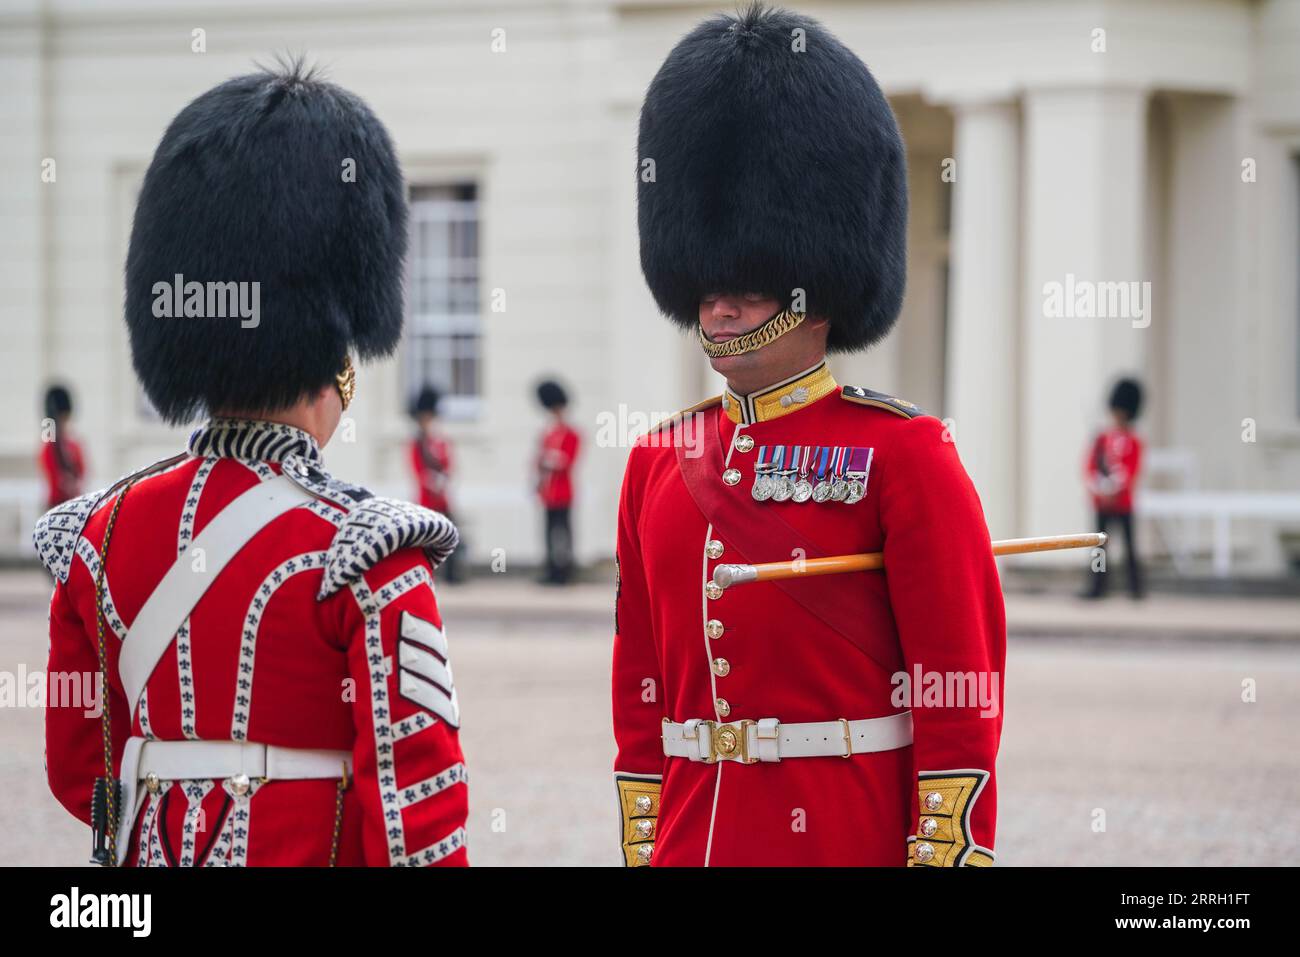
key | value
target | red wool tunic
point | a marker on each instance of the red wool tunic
(1114, 461)
(263, 658)
(816, 649)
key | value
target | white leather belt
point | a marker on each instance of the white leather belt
(767, 739)
(145, 760)
(183, 760)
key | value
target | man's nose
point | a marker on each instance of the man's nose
(726, 307)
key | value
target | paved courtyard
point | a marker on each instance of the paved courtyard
(1131, 710)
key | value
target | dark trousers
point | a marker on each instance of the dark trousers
(453, 569)
(1100, 580)
(559, 546)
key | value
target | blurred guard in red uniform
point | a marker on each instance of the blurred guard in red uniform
(278, 690)
(768, 724)
(431, 460)
(1114, 461)
(555, 459)
(62, 462)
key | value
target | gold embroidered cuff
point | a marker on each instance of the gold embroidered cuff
(638, 801)
(943, 837)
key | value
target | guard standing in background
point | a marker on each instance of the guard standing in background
(431, 461)
(555, 460)
(1112, 470)
(62, 461)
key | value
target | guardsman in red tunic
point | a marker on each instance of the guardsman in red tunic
(556, 455)
(278, 690)
(1112, 470)
(62, 461)
(833, 720)
(431, 461)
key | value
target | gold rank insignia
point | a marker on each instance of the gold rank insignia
(638, 799)
(943, 837)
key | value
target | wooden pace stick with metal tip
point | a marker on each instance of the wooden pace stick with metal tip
(728, 575)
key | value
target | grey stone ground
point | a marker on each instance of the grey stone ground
(1132, 709)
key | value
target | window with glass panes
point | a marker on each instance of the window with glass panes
(444, 333)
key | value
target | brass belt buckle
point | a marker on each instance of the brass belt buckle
(732, 740)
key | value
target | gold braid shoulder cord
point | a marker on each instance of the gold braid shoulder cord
(106, 721)
(338, 817)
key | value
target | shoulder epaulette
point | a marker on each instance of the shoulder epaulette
(863, 396)
(57, 531)
(373, 528)
(323, 485)
(377, 527)
(679, 416)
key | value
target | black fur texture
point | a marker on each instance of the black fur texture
(58, 401)
(1127, 397)
(775, 170)
(248, 185)
(426, 401)
(551, 395)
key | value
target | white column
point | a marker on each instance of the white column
(1084, 161)
(984, 297)
(24, 205)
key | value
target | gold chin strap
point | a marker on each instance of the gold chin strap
(346, 382)
(767, 333)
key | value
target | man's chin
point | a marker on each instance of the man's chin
(726, 365)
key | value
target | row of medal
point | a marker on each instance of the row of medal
(803, 473)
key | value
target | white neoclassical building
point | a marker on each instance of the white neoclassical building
(1147, 151)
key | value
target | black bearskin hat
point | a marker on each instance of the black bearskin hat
(777, 165)
(58, 401)
(426, 401)
(278, 201)
(552, 395)
(1127, 397)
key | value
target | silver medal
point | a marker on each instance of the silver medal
(856, 492)
(803, 490)
(839, 490)
(763, 488)
(784, 488)
(822, 491)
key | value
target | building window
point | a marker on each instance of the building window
(444, 337)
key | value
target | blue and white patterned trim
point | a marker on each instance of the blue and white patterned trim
(86, 552)
(253, 440)
(332, 514)
(58, 531)
(435, 852)
(320, 483)
(263, 471)
(146, 845)
(422, 790)
(195, 792)
(412, 725)
(185, 680)
(238, 821)
(380, 712)
(375, 529)
(185, 534)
